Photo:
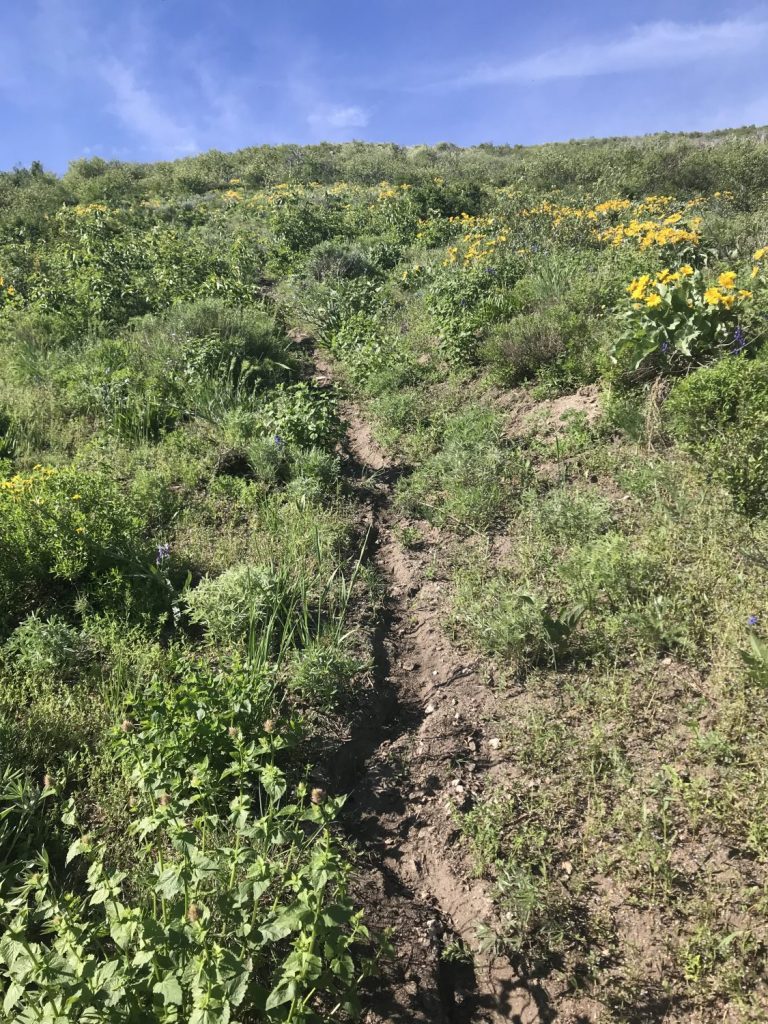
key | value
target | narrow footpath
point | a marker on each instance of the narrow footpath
(415, 756)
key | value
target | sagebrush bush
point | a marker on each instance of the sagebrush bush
(334, 260)
(519, 348)
(46, 649)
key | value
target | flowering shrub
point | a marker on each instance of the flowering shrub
(680, 316)
(65, 530)
(472, 290)
(669, 231)
(8, 293)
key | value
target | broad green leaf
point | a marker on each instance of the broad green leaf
(284, 992)
(80, 846)
(170, 990)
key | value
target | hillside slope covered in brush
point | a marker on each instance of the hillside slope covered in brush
(564, 349)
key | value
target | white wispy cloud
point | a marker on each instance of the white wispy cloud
(141, 113)
(645, 47)
(338, 117)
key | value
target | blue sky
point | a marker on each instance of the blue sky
(158, 79)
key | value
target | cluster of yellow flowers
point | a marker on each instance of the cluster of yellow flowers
(726, 294)
(413, 271)
(757, 257)
(278, 194)
(654, 232)
(84, 209)
(17, 486)
(559, 214)
(233, 194)
(387, 191)
(655, 206)
(10, 291)
(662, 230)
(480, 238)
(612, 206)
(654, 221)
(646, 289)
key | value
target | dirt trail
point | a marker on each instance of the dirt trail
(425, 736)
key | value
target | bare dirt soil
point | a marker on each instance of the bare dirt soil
(425, 734)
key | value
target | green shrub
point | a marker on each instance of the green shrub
(519, 348)
(242, 600)
(71, 534)
(193, 360)
(302, 414)
(46, 649)
(720, 414)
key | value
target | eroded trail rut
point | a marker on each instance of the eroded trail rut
(424, 738)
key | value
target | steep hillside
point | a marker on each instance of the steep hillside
(383, 577)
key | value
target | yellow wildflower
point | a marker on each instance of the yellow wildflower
(653, 300)
(686, 270)
(727, 279)
(712, 296)
(637, 287)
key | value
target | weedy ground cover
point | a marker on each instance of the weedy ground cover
(624, 613)
(180, 561)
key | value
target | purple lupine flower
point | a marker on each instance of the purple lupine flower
(753, 620)
(163, 553)
(739, 340)
(278, 441)
(665, 347)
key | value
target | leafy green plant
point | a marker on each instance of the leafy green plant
(201, 944)
(679, 317)
(720, 414)
(67, 530)
(302, 414)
